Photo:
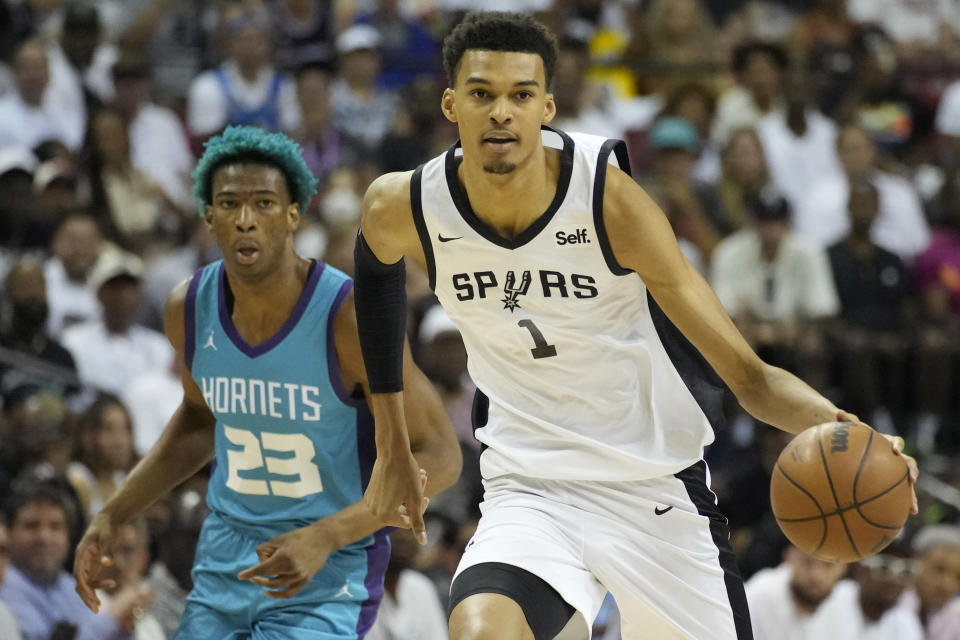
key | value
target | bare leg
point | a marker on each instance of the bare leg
(489, 616)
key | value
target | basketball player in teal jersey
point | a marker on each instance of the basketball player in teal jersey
(273, 392)
(595, 347)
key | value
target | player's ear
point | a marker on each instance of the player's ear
(208, 217)
(549, 109)
(293, 216)
(447, 104)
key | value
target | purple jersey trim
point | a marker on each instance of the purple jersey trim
(254, 351)
(333, 362)
(190, 320)
(378, 555)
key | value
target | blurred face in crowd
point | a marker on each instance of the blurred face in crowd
(570, 78)
(36, 426)
(762, 77)
(131, 555)
(32, 72)
(39, 539)
(110, 137)
(499, 100)
(938, 578)
(114, 438)
(360, 68)
(313, 94)
(131, 92)
(252, 217)
(120, 299)
(77, 245)
(445, 359)
(26, 290)
(79, 43)
(862, 207)
(250, 48)
(695, 109)
(857, 152)
(675, 163)
(812, 580)
(882, 579)
(744, 160)
(681, 20)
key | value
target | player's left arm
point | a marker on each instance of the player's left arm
(643, 241)
(290, 560)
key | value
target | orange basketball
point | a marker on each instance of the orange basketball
(839, 492)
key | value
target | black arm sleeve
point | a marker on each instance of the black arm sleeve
(380, 297)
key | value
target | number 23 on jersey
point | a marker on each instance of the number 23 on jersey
(251, 456)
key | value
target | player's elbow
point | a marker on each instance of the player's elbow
(450, 461)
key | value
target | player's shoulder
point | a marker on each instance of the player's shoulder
(387, 200)
(173, 313)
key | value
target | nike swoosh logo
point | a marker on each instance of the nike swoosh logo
(660, 512)
(442, 239)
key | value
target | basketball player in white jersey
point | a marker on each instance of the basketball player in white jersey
(598, 352)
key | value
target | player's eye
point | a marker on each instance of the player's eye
(266, 204)
(228, 204)
(524, 95)
(480, 94)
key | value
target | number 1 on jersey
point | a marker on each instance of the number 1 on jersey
(541, 348)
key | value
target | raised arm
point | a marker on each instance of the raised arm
(387, 234)
(185, 446)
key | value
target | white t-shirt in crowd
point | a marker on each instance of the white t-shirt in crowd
(948, 113)
(416, 614)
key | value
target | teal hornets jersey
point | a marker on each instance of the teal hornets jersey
(292, 445)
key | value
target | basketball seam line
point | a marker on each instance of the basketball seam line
(855, 505)
(833, 491)
(823, 537)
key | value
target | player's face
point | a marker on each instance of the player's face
(252, 218)
(939, 577)
(499, 101)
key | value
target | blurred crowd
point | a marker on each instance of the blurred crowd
(806, 152)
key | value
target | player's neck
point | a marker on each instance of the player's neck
(262, 306)
(511, 202)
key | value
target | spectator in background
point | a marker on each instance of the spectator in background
(934, 595)
(133, 207)
(408, 50)
(682, 44)
(938, 267)
(444, 556)
(131, 558)
(80, 62)
(105, 453)
(777, 287)
(693, 207)
(947, 122)
(921, 29)
(900, 226)
(151, 398)
(798, 141)
(9, 629)
(303, 31)
(35, 434)
(361, 109)
(37, 589)
(17, 165)
(410, 607)
(759, 68)
(158, 143)
(30, 354)
(75, 250)
(113, 350)
(793, 600)
(29, 114)
(324, 149)
(743, 174)
(873, 285)
(246, 89)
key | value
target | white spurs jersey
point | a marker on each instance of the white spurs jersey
(579, 373)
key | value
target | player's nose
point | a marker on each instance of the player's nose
(500, 111)
(246, 219)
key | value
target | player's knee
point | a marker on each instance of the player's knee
(488, 617)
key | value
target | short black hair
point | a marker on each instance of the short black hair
(745, 51)
(499, 31)
(32, 488)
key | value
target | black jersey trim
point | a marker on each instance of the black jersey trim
(462, 202)
(694, 479)
(480, 414)
(599, 184)
(416, 204)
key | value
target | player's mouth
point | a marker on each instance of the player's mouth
(499, 142)
(247, 253)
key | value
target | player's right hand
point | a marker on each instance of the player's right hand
(395, 493)
(92, 557)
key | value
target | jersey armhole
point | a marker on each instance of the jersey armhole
(416, 204)
(599, 184)
(333, 360)
(190, 320)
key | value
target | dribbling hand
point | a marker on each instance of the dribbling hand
(397, 482)
(897, 443)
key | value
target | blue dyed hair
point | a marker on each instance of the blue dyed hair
(251, 144)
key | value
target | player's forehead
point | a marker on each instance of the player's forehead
(482, 66)
(243, 177)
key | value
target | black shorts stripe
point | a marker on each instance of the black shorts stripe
(694, 478)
